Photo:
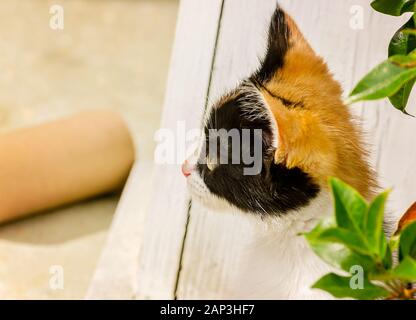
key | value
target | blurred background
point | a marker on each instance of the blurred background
(111, 54)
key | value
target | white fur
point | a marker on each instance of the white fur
(278, 264)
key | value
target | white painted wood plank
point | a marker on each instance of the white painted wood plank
(116, 272)
(214, 242)
(185, 100)
(396, 159)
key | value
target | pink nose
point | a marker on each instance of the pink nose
(186, 168)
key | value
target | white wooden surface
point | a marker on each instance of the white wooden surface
(116, 272)
(214, 241)
(188, 82)
(189, 255)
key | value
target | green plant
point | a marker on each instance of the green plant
(355, 243)
(395, 77)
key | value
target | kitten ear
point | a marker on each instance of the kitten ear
(283, 35)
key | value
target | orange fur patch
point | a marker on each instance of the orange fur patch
(319, 137)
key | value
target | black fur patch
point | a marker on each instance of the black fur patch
(277, 46)
(275, 190)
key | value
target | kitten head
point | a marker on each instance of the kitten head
(270, 145)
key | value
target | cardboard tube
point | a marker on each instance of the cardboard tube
(63, 161)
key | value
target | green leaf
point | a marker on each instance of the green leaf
(409, 31)
(335, 254)
(393, 7)
(405, 62)
(350, 206)
(407, 246)
(403, 41)
(394, 242)
(400, 98)
(388, 257)
(392, 246)
(349, 238)
(406, 270)
(340, 287)
(383, 81)
(374, 225)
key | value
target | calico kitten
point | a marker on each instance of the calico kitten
(308, 135)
